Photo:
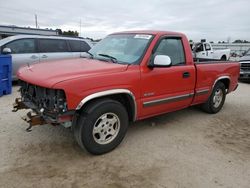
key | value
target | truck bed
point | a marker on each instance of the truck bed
(209, 71)
(203, 60)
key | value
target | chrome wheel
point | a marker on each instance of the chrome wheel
(218, 97)
(106, 128)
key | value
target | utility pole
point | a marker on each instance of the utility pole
(36, 20)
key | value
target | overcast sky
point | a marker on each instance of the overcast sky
(211, 19)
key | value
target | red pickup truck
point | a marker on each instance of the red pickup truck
(128, 76)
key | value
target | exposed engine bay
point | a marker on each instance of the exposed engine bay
(47, 105)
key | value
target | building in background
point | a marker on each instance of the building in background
(6, 31)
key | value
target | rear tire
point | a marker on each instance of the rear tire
(216, 99)
(101, 126)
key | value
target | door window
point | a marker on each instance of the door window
(78, 46)
(198, 47)
(53, 45)
(21, 46)
(173, 48)
(207, 47)
(84, 47)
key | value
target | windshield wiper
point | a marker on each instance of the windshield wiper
(113, 59)
(91, 55)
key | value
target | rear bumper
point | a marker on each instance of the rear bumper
(236, 87)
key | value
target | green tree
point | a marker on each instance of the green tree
(237, 41)
(68, 33)
(241, 41)
(71, 33)
(59, 31)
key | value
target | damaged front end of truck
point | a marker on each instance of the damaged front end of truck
(48, 106)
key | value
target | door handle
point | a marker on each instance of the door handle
(186, 75)
(33, 57)
(44, 56)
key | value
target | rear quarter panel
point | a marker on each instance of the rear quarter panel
(209, 73)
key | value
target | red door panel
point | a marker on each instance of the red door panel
(166, 89)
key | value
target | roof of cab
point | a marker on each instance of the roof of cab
(151, 32)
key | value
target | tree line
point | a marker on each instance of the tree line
(222, 42)
(68, 33)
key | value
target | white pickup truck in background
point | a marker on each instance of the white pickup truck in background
(204, 50)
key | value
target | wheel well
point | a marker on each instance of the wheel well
(224, 57)
(125, 99)
(127, 102)
(225, 81)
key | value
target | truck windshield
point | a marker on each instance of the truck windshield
(123, 48)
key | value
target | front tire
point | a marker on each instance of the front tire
(216, 100)
(101, 126)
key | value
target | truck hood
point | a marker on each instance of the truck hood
(47, 74)
(245, 58)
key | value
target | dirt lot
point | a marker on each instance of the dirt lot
(188, 148)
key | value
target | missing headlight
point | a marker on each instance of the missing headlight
(42, 99)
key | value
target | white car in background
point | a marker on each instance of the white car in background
(29, 49)
(205, 51)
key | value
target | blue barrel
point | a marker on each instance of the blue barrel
(5, 74)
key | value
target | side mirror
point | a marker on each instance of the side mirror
(6, 51)
(162, 61)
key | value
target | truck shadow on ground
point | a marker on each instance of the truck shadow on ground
(63, 142)
(230, 134)
(244, 81)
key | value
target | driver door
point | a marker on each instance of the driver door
(209, 51)
(166, 89)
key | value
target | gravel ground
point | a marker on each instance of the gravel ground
(187, 148)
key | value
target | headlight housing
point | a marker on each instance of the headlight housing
(43, 99)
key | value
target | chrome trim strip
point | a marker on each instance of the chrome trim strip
(202, 92)
(220, 78)
(167, 100)
(106, 93)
